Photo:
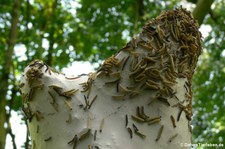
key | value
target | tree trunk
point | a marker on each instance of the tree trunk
(6, 71)
(139, 98)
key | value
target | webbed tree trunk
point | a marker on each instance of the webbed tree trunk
(139, 98)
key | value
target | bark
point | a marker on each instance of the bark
(139, 98)
(6, 70)
(201, 10)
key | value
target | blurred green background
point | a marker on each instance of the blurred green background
(60, 32)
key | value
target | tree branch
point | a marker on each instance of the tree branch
(201, 10)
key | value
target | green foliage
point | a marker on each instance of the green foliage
(60, 32)
(209, 82)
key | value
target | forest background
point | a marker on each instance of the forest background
(65, 33)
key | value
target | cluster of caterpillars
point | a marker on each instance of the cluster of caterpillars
(34, 75)
(141, 117)
(165, 52)
(33, 78)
